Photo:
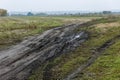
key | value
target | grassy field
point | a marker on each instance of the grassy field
(15, 29)
(106, 67)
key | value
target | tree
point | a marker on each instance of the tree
(3, 12)
(41, 14)
(30, 14)
(107, 12)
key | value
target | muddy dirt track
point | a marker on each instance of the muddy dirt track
(17, 62)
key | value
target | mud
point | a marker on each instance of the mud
(19, 61)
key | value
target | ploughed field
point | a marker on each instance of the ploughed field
(60, 48)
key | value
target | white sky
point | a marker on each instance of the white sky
(60, 5)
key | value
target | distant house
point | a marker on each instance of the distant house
(3, 12)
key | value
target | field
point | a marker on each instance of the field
(104, 38)
(15, 29)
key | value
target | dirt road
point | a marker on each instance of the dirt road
(17, 62)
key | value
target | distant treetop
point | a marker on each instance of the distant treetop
(30, 14)
(107, 12)
(3, 12)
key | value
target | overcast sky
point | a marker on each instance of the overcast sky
(60, 5)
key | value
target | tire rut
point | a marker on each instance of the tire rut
(19, 61)
(92, 59)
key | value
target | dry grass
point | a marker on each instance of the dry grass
(108, 25)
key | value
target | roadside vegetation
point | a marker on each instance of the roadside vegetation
(106, 67)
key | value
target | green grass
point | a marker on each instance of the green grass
(106, 67)
(14, 29)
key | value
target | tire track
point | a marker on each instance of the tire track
(92, 59)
